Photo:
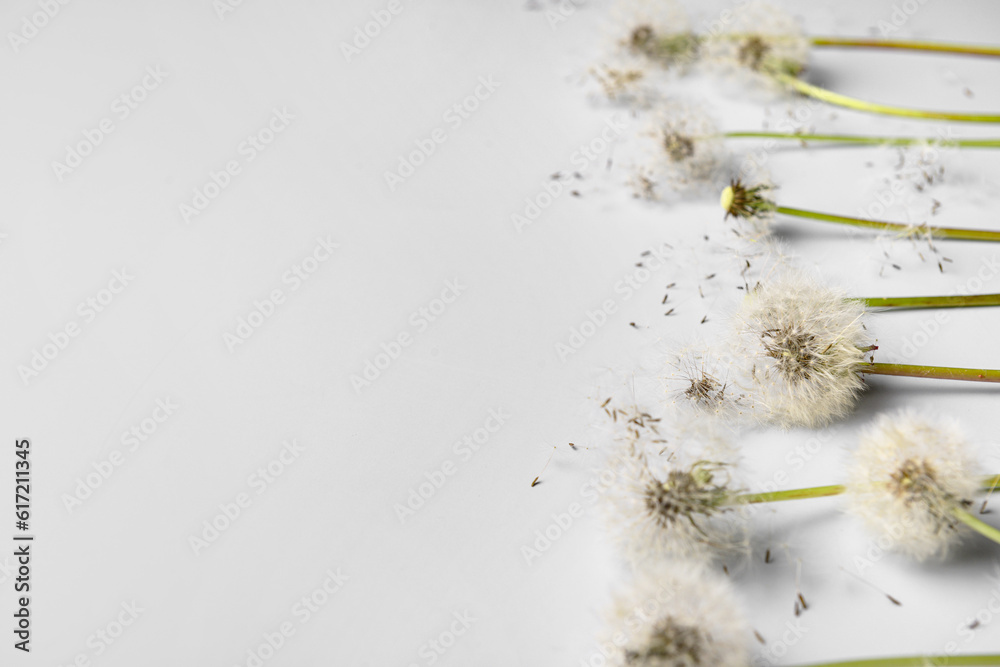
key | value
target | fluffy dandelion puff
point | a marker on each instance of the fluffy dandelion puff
(678, 614)
(760, 39)
(802, 345)
(658, 30)
(907, 475)
(668, 498)
(686, 145)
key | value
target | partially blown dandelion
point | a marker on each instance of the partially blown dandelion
(687, 146)
(659, 31)
(700, 381)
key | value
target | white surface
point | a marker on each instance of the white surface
(494, 348)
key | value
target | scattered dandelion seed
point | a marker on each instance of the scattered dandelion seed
(873, 586)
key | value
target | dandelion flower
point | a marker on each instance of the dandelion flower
(760, 39)
(803, 344)
(803, 348)
(668, 501)
(751, 203)
(908, 477)
(678, 615)
(700, 383)
(657, 30)
(687, 145)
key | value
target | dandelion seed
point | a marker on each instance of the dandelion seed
(686, 144)
(657, 30)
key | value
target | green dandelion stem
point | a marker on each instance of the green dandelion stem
(791, 494)
(933, 372)
(908, 230)
(977, 525)
(909, 45)
(915, 661)
(950, 301)
(988, 484)
(837, 99)
(991, 483)
(866, 140)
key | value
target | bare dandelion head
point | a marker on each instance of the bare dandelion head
(907, 476)
(679, 614)
(803, 344)
(746, 202)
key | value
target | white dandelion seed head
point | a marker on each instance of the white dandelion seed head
(685, 145)
(802, 345)
(656, 30)
(907, 475)
(759, 40)
(678, 614)
(669, 497)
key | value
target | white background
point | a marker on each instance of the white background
(494, 348)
